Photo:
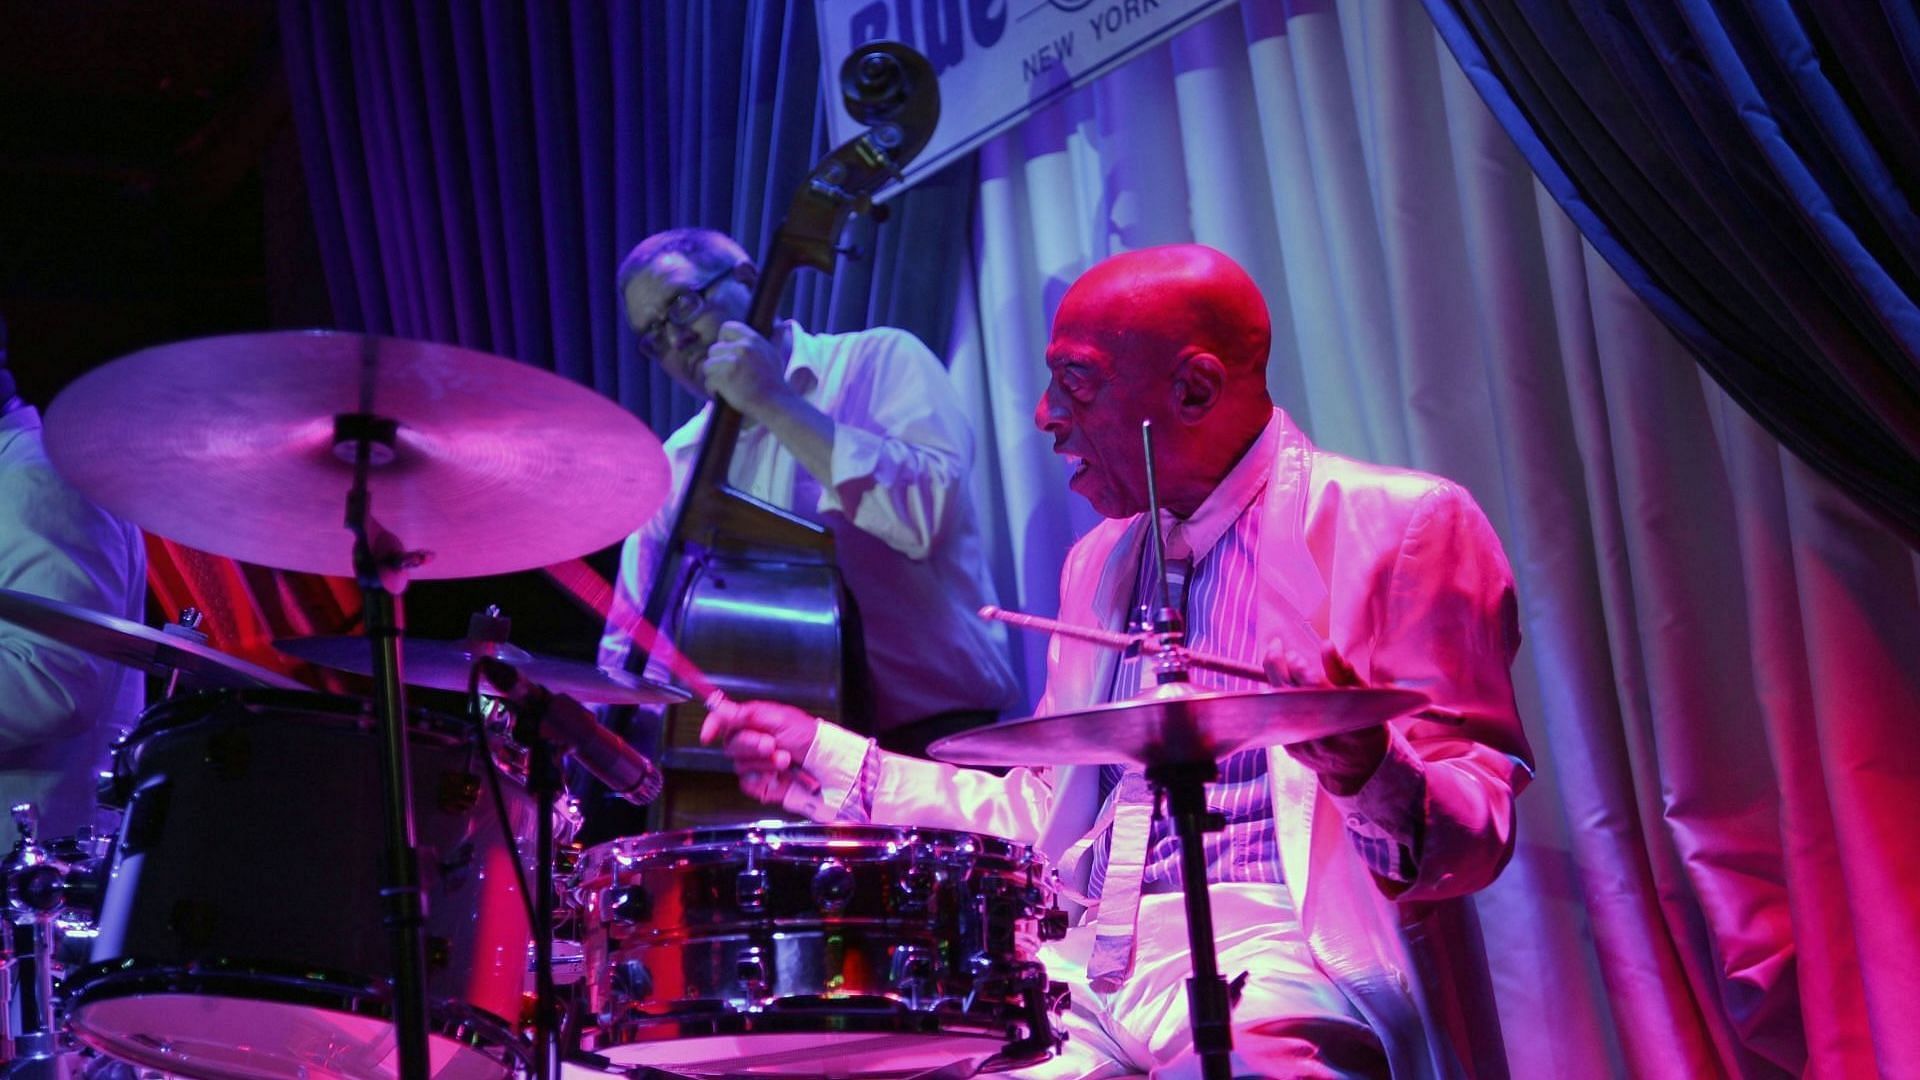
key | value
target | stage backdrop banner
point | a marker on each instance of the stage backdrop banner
(998, 61)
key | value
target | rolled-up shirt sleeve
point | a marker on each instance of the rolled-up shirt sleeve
(55, 544)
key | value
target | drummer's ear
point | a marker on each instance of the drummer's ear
(746, 273)
(1198, 382)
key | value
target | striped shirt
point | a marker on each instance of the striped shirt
(1219, 597)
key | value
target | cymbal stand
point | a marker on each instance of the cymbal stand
(380, 564)
(1184, 787)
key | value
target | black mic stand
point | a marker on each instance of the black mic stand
(380, 564)
(1183, 784)
(543, 782)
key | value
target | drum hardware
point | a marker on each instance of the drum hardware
(186, 625)
(792, 950)
(550, 725)
(46, 885)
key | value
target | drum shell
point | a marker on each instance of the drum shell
(938, 928)
(254, 841)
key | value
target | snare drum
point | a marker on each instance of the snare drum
(814, 950)
(241, 933)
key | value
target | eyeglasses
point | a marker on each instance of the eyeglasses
(686, 306)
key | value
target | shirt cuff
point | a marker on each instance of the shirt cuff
(856, 454)
(1384, 817)
(834, 759)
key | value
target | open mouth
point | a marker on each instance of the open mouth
(1076, 466)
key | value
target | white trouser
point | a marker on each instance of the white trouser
(1290, 1020)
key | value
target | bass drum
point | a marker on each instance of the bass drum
(241, 932)
(788, 950)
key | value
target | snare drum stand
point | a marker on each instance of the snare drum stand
(380, 565)
(34, 895)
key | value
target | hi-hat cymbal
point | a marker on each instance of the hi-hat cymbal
(227, 444)
(446, 665)
(1178, 725)
(133, 644)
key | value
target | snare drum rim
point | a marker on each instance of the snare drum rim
(836, 1018)
(804, 840)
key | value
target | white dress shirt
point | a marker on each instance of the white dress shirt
(60, 708)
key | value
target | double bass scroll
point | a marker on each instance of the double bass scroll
(749, 592)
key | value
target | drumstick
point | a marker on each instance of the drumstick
(599, 596)
(1116, 640)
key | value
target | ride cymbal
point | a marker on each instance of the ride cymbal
(230, 445)
(1176, 724)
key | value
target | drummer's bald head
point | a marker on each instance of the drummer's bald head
(709, 250)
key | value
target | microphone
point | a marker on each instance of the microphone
(568, 725)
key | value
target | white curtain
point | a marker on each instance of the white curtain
(1720, 669)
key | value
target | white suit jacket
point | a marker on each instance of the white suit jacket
(1403, 573)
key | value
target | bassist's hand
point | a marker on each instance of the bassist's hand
(745, 370)
(767, 741)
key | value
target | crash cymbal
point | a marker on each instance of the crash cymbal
(445, 665)
(1178, 725)
(133, 644)
(227, 444)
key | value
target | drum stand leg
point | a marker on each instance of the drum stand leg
(1209, 1005)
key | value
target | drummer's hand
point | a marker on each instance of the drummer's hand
(767, 741)
(1343, 762)
(744, 369)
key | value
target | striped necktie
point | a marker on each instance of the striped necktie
(1113, 936)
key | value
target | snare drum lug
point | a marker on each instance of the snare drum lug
(913, 967)
(632, 980)
(459, 792)
(629, 905)
(750, 890)
(454, 868)
(979, 962)
(913, 889)
(750, 969)
(832, 886)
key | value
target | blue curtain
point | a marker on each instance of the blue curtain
(477, 170)
(1749, 167)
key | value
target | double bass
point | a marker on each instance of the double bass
(749, 593)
